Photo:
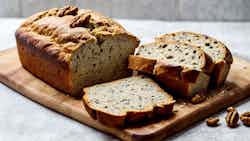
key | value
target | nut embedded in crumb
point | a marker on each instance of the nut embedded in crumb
(198, 98)
(213, 121)
(245, 118)
(232, 117)
(68, 10)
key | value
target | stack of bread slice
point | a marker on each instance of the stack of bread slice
(220, 55)
(184, 62)
(181, 67)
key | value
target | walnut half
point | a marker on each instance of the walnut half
(68, 10)
(81, 21)
(232, 117)
(213, 121)
(245, 118)
(198, 98)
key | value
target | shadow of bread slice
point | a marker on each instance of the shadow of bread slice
(127, 101)
(71, 48)
(216, 50)
(181, 67)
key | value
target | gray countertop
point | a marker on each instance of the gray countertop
(23, 120)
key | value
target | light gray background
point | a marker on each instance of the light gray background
(24, 120)
(198, 10)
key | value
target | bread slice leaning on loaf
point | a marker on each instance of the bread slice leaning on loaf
(127, 101)
(181, 67)
(216, 50)
(70, 48)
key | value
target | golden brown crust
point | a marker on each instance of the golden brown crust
(162, 69)
(79, 27)
(129, 117)
(107, 119)
(43, 45)
(209, 67)
(219, 74)
(177, 87)
(45, 63)
(141, 64)
(189, 76)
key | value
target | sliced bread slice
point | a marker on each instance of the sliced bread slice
(216, 50)
(126, 101)
(180, 66)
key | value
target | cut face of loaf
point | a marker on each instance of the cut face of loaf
(216, 50)
(176, 54)
(70, 48)
(96, 63)
(181, 67)
(126, 100)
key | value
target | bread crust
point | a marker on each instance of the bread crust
(43, 62)
(104, 118)
(176, 87)
(129, 117)
(219, 74)
(162, 69)
(219, 69)
(143, 64)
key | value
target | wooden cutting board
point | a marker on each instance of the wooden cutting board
(236, 89)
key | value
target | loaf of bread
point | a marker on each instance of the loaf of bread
(216, 50)
(127, 101)
(181, 67)
(70, 48)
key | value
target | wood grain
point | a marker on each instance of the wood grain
(236, 89)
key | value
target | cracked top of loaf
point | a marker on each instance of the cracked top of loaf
(60, 31)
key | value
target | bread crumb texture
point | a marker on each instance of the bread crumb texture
(174, 53)
(214, 48)
(137, 94)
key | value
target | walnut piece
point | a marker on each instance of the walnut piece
(245, 118)
(232, 117)
(212, 121)
(198, 98)
(68, 10)
(80, 20)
